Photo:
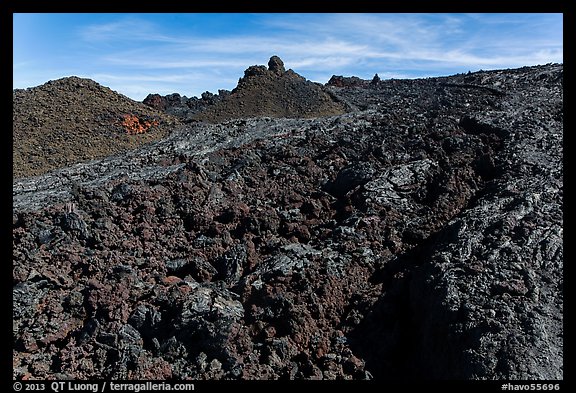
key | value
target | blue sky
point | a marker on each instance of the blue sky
(138, 54)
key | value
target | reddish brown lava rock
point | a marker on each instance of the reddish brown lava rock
(133, 125)
(156, 101)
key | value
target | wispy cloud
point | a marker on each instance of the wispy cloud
(142, 59)
(127, 29)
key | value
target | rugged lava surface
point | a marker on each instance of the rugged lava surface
(419, 236)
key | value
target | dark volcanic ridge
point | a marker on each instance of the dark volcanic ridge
(417, 237)
(269, 92)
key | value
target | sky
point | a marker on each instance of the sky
(139, 54)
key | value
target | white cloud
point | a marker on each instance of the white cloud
(126, 29)
(161, 61)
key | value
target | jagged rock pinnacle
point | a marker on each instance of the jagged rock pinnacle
(276, 65)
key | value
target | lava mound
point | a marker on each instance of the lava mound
(273, 92)
(267, 92)
(70, 120)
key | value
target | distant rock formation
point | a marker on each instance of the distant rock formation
(345, 81)
(155, 101)
(182, 107)
(272, 92)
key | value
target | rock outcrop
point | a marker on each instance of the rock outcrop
(276, 65)
(271, 92)
(182, 107)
